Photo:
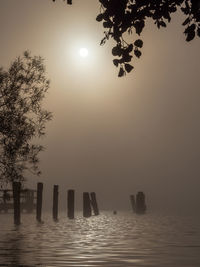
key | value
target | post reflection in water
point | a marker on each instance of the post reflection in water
(14, 242)
(124, 239)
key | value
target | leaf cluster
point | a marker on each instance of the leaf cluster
(130, 16)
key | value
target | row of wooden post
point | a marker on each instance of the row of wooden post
(89, 203)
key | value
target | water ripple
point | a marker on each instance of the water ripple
(105, 240)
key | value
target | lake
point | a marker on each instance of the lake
(122, 240)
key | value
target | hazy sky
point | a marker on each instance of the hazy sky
(112, 135)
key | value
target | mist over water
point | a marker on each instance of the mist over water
(108, 240)
(110, 136)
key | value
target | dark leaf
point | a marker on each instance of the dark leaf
(129, 48)
(198, 31)
(103, 41)
(117, 51)
(99, 17)
(127, 58)
(104, 3)
(121, 72)
(185, 10)
(163, 24)
(69, 2)
(198, 16)
(137, 53)
(158, 23)
(187, 5)
(138, 43)
(107, 24)
(186, 21)
(116, 62)
(190, 36)
(166, 15)
(172, 9)
(190, 32)
(190, 28)
(128, 67)
(139, 25)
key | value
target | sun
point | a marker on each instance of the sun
(83, 52)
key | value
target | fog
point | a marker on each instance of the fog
(111, 135)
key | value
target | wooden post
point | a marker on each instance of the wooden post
(55, 202)
(140, 203)
(39, 201)
(70, 204)
(16, 202)
(86, 205)
(132, 197)
(94, 203)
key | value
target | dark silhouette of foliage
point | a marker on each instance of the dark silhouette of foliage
(22, 88)
(130, 16)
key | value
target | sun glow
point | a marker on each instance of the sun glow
(83, 52)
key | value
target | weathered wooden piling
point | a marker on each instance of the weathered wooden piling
(140, 203)
(86, 205)
(16, 202)
(55, 202)
(39, 202)
(132, 198)
(94, 203)
(70, 204)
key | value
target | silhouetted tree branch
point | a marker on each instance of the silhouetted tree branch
(130, 16)
(22, 89)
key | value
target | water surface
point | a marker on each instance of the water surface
(108, 240)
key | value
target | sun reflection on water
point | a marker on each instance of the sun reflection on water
(105, 240)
